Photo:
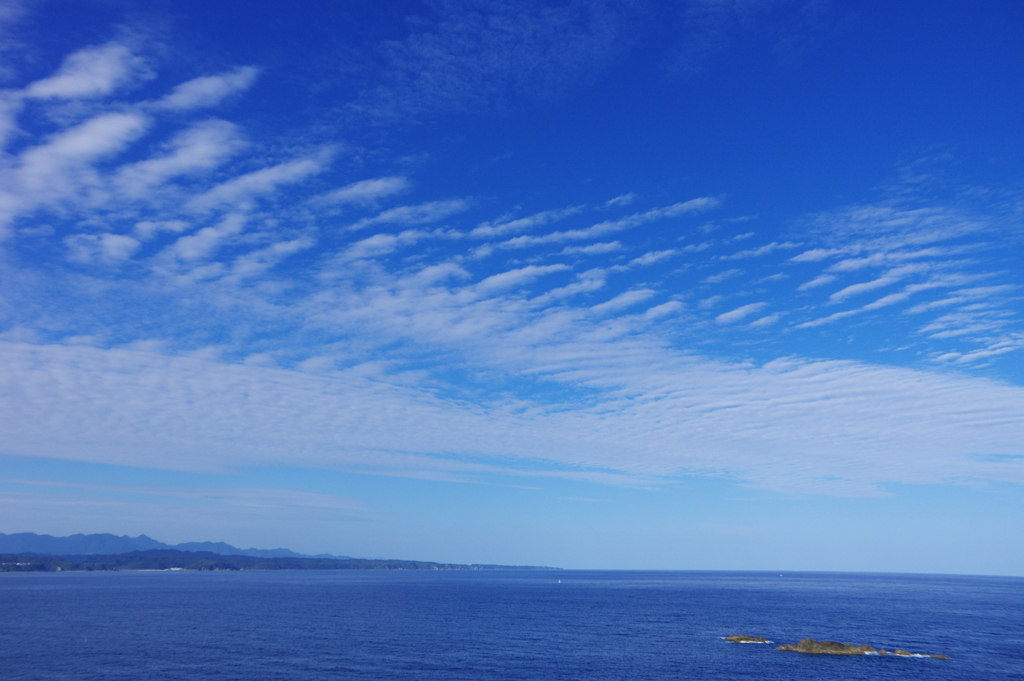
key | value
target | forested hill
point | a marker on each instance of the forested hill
(168, 559)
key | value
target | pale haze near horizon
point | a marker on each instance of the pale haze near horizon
(698, 285)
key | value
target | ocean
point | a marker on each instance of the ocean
(579, 625)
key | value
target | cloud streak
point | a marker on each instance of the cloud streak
(407, 216)
(207, 91)
(366, 192)
(611, 226)
(92, 72)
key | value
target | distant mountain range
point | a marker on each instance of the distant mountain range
(110, 544)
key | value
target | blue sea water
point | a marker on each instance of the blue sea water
(584, 625)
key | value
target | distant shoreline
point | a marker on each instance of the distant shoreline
(170, 560)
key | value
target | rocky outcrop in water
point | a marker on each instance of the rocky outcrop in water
(743, 638)
(810, 646)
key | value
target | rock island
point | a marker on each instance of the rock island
(809, 645)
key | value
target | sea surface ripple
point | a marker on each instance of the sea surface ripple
(584, 625)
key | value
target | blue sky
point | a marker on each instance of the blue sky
(708, 284)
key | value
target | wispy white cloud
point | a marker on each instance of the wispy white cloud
(892, 228)
(593, 249)
(383, 244)
(721, 276)
(881, 259)
(407, 216)
(611, 226)
(257, 262)
(366, 192)
(963, 296)
(995, 348)
(708, 303)
(971, 320)
(207, 91)
(697, 248)
(239, 192)
(665, 309)
(49, 167)
(761, 250)
(516, 277)
(201, 147)
(888, 279)
(652, 257)
(922, 248)
(91, 72)
(69, 170)
(147, 229)
(586, 282)
(816, 255)
(61, 168)
(206, 241)
(621, 200)
(854, 289)
(884, 301)
(767, 320)
(819, 280)
(739, 313)
(89, 248)
(623, 301)
(501, 227)
(910, 290)
(821, 321)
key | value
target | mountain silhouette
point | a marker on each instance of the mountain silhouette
(111, 544)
